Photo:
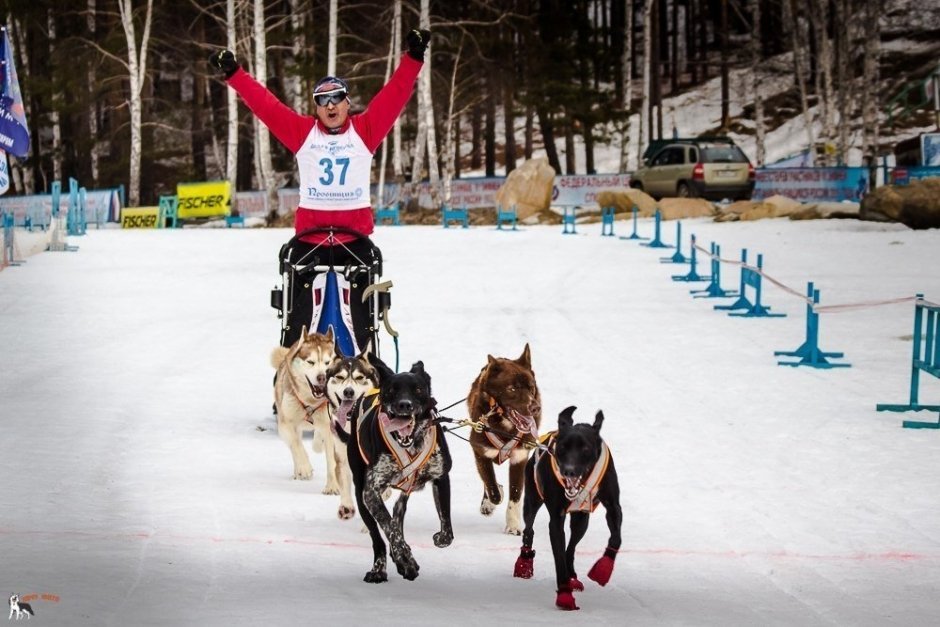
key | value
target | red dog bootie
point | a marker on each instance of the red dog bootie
(525, 567)
(603, 568)
(565, 600)
(576, 585)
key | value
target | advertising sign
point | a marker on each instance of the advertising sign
(930, 149)
(203, 200)
(140, 217)
(581, 190)
(811, 184)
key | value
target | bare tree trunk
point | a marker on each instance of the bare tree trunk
(424, 87)
(870, 95)
(450, 140)
(548, 137)
(331, 49)
(476, 136)
(759, 127)
(137, 73)
(292, 82)
(845, 78)
(725, 79)
(92, 100)
(820, 12)
(266, 175)
(645, 117)
(570, 164)
(489, 138)
(799, 72)
(529, 131)
(231, 148)
(397, 166)
(627, 63)
(393, 48)
(54, 106)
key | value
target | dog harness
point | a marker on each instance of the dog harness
(410, 460)
(586, 498)
(505, 447)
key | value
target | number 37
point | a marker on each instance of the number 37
(327, 178)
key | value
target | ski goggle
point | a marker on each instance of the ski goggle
(334, 96)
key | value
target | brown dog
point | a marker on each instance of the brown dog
(505, 398)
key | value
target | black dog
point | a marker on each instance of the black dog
(396, 442)
(573, 473)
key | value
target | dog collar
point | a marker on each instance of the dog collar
(505, 448)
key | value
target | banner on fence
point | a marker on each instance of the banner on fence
(252, 204)
(204, 200)
(811, 184)
(581, 190)
(140, 217)
(903, 176)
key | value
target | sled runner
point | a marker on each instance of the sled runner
(333, 284)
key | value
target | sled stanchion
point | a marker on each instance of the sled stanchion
(607, 222)
(391, 213)
(693, 274)
(677, 257)
(634, 234)
(808, 352)
(926, 332)
(742, 302)
(657, 242)
(507, 217)
(460, 215)
(169, 206)
(569, 220)
(752, 276)
(714, 289)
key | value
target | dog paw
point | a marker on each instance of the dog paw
(443, 539)
(575, 584)
(513, 530)
(303, 473)
(331, 488)
(405, 563)
(345, 513)
(374, 576)
(565, 600)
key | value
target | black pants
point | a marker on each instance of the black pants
(338, 256)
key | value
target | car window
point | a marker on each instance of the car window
(662, 158)
(723, 154)
(693, 154)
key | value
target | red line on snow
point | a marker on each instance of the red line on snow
(885, 556)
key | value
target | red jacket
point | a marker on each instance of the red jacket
(292, 130)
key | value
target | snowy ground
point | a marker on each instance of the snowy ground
(144, 484)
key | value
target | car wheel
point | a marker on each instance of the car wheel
(684, 191)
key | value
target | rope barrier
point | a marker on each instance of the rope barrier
(816, 307)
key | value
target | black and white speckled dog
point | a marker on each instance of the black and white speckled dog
(395, 442)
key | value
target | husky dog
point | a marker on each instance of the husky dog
(19, 608)
(395, 441)
(300, 399)
(505, 398)
(347, 381)
(572, 474)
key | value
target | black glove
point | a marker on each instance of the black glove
(224, 61)
(418, 41)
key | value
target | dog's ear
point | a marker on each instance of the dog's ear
(303, 333)
(418, 370)
(598, 420)
(383, 370)
(525, 359)
(365, 351)
(329, 333)
(565, 418)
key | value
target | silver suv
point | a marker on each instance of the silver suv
(708, 168)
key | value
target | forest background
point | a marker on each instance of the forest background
(118, 92)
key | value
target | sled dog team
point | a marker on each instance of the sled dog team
(380, 430)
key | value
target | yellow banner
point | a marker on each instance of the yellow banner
(204, 200)
(140, 217)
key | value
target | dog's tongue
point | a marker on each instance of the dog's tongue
(525, 424)
(403, 426)
(342, 414)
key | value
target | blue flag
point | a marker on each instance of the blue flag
(14, 133)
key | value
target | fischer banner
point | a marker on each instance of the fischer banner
(204, 200)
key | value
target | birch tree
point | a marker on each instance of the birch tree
(647, 52)
(266, 175)
(90, 19)
(292, 82)
(755, 44)
(54, 105)
(426, 135)
(871, 92)
(819, 10)
(137, 72)
(331, 46)
(394, 45)
(799, 72)
(231, 102)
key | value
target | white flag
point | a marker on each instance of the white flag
(4, 173)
